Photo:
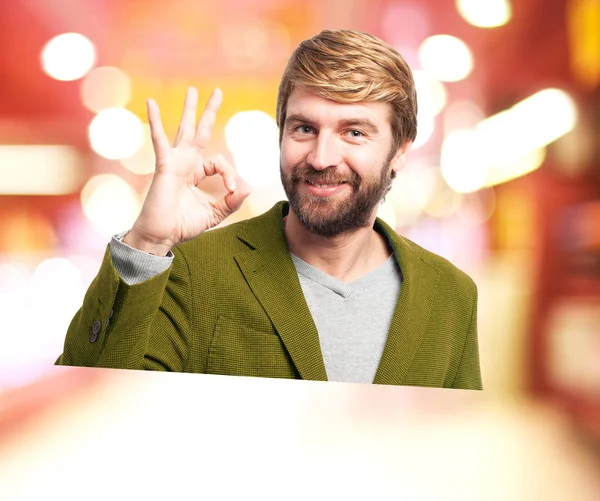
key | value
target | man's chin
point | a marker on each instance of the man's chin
(321, 223)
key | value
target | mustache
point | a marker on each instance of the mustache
(327, 176)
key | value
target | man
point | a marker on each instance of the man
(317, 288)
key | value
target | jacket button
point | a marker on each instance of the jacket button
(96, 328)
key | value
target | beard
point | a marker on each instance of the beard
(335, 215)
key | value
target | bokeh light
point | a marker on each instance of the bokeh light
(462, 161)
(14, 290)
(35, 309)
(411, 191)
(485, 13)
(447, 58)
(529, 125)
(253, 139)
(431, 93)
(105, 87)
(507, 145)
(68, 56)
(116, 133)
(143, 160)
(262, 198)
(39, 169)
(387, 213)
(53, 280)
(514, 167)
(110, 203)
(425, 129)
(444, 201)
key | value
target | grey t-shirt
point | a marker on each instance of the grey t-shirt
(353, 318)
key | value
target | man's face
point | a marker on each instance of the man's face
(336, 161)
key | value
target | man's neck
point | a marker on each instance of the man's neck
(346, 257)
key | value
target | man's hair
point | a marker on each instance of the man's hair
(348, 67)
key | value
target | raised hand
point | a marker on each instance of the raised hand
(174, 209)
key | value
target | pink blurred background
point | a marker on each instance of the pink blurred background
(504, 181)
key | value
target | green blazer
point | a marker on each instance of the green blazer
(231, 303)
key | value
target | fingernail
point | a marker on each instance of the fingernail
(232, 185)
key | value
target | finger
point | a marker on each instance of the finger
(231, 202)
(207, 120)
(160, 141)
(187, 125)
(218, 165)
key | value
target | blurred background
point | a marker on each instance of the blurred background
(504, 180)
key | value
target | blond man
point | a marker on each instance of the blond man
(317, 287)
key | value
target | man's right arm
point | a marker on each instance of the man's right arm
(136, 314)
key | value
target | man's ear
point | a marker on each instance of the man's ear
(400, 156)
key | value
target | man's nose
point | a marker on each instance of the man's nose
(325, 152)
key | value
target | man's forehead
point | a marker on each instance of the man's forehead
(311, 105)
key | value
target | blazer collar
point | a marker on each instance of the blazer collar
(270, 272)
(413, 308)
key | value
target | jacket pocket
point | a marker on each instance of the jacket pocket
(238, 350)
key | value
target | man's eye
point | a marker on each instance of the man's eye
(356, 134)
(304, 129)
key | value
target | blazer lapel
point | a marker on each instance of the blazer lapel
(270, 272)
(412, 311)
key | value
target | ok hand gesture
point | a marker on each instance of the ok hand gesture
(174, 209)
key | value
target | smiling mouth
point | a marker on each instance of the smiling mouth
(329, 185)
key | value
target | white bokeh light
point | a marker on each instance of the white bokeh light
(447, 58)
(431, 93)
(462, 161)
(35, 312)
(411, 190)
(527, 126)
(68, 56)
(387, 213)
(253, 139)
(53, 281)
(425, 129)
(262, 198)
(116, 133)
(485, 13)
(509, 144)
(444, 201)
(143, 160)
(512, 168)
(110, 204)
(105, 87)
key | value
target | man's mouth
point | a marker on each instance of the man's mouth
(328, 185)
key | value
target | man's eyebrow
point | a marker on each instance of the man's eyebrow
(365, 123)
(298, 117)
(348, 122)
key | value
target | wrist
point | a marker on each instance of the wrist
(149, 247)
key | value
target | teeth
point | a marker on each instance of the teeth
(325, 185)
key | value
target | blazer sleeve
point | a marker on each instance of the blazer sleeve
(468, 376)
(141, 326)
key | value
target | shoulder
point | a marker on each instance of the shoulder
(449, 274)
